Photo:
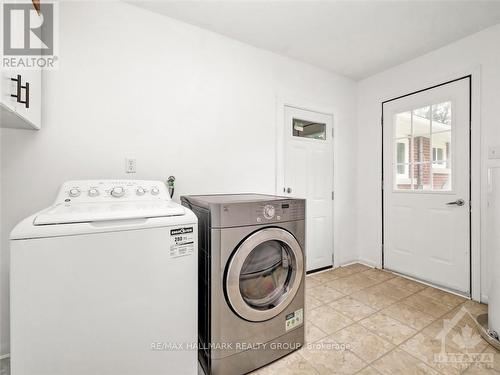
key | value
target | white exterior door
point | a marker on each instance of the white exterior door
(427, 185)
(308, 174)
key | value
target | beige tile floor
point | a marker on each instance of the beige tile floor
(366, 321)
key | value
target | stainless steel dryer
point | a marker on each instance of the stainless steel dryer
(251, 281)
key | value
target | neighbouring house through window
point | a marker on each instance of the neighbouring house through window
(422, 148)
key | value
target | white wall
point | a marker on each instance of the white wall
(439, 66)
(183, 101)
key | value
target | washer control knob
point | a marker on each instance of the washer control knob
(74, 192)
(93, 192)
(118, 192)
(140, 191)
(155, 191)
(269, 211)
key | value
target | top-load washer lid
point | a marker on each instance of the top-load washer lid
(91, 212)
(100, 206)
(86, 201)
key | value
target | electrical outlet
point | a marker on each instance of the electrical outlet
(494, 152)
(130, 165)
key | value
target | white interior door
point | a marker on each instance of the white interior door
(308, 174)
(427, 185)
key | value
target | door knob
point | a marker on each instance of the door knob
(458, 202)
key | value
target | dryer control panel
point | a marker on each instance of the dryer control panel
(280, 211)
(87, 191)
(234, 210)
(265, 212)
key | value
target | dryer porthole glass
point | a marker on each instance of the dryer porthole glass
(266, 274)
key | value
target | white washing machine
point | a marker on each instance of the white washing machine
(105, 282)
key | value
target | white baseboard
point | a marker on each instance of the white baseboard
(484, 298)
(369, 263)
(347, 263)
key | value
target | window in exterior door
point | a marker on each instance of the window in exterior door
(423, 149)
(308, 129)
(402, 156)
(402, 141)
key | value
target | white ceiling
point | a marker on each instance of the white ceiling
(352, 38)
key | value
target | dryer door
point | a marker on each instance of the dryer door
(264, 274)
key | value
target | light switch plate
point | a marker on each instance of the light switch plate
(494, 152)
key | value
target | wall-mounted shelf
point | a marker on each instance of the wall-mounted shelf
(20, 89)
(11, 119)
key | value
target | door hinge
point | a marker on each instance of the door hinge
(333, 132)
(333, 195)
(382, 121)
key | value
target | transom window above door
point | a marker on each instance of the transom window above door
(308, 129)
(423, 148)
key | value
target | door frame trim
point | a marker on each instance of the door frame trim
(299, 102)
(476, 192)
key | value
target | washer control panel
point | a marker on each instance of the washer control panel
(87, 191)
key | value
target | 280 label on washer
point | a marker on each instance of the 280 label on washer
(181, 242)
